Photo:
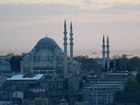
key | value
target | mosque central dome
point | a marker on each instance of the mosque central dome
(46, 42)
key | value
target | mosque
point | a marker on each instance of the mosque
(48, 58)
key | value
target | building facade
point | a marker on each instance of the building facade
(101, 91)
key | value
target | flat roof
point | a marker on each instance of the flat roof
(22, 78)
(118, 74)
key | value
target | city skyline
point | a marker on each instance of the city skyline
(23, 23)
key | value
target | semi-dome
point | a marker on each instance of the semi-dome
(5, 66)
(46, 43)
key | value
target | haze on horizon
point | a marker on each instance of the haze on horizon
(24, 22)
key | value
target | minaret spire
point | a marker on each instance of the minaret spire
(108, 53)
(71, 29)
(65, 26)
(103, 51)
(65, 50)
(71, 43)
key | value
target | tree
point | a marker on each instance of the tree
(131, 85)
(88, 64)
(131, 93)
(15, 63)
(112, 65)
(138, 77)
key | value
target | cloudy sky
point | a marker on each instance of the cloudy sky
(24, 22)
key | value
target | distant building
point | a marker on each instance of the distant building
(23, 82)
(100, 91)
(63, 102)
(27, 88)
(41, 101)
(6, 103)
(99, 94)
(82, 103)
(74, 83)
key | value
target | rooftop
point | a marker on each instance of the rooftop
(21, 77)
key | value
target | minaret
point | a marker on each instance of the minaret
(103, 51)
(108, 52)
(71, 43)
(65, 50)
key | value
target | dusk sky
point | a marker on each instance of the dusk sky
(24, 22)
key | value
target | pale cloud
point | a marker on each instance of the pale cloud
(86, 4)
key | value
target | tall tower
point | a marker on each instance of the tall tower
(103, 51)
(108, 52)
(65, 50)
(71, 43)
